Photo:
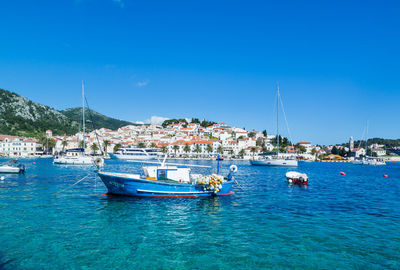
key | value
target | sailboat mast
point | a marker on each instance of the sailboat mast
(366, 140)
(83, 114)
(277, 121)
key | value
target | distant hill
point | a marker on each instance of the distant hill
(388, 143)
(23, 117)
(100, 120)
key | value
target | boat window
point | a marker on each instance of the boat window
(162, 174)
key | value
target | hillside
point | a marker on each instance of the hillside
(20, 116)
(23, 117)
(388, 143)
(100, 120)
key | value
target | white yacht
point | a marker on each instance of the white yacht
(77, 156)
(135, 153)
(276, 159)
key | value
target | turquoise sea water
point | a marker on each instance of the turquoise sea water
(337, 222)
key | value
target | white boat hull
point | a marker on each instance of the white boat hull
(9, 169)
(80, 160)
(133, 157)
(275, 162)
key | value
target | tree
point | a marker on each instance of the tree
(106, 143)
(260, 142)
(220, 149)
(195, 120)
(252, 134)
(141, 145)
(153, 145)
(94, 147)
(334, 150)
(253, 150)
(117, 147)
(264, 149)
(197, 149)
(209, 148)
(176, 148)
(242, 153)
(302, 149)
(64, 144)
(313, 151)
(264, 133)
(81, 144)
(186, 148)
(52, 143)
(164, 149)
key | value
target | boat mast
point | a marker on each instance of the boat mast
(366, 140)
(83, 115)
(277, 121)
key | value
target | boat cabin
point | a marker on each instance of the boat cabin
(174, 173)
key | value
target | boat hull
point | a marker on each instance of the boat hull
(80, 160)
(131, 157)
(9, 169)
(275, 163)
(132, 185)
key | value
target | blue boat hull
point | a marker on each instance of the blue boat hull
(128, 186)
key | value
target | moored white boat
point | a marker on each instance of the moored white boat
(77, 156)
(11, 167)
(136, 153)
(276, 159)
(297, 178)
(278, 162)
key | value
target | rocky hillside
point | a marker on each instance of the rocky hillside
(23, 117)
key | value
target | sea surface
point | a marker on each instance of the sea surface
(337, 222)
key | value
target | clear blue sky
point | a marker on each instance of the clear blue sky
(337, 63)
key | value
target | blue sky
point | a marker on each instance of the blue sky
(337, 62)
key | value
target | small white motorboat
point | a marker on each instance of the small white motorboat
(297, 178)
(11, 167)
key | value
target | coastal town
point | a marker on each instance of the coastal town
(185, 140)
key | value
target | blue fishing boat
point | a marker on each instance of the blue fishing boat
(166, 180)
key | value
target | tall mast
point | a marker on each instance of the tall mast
(277, 120)
(366, 140)
(83, 114)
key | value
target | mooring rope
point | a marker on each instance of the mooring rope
(240, 186)
(72, 185)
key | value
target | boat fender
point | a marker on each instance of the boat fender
(97, 162)
(233, 168)
(342, 173)
(385, 175)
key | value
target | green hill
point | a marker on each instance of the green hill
(100, 120)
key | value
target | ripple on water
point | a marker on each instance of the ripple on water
(335, 222)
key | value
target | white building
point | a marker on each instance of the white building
(14, 146)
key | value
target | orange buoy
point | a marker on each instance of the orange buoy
(342, 173)
(34, 162)
(385, 175)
